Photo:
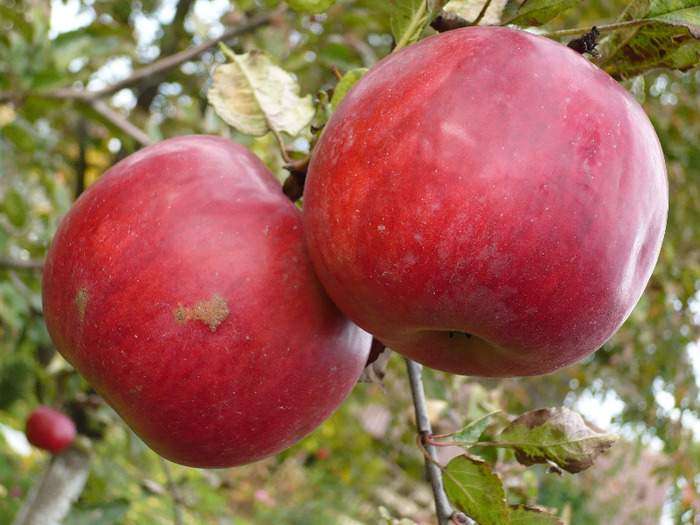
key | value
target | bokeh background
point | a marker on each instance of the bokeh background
(82, 84)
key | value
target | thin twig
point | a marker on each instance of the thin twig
(172, 35)
(101, 107)
(423, 444)
(443, 508)
(19, 264)
(609, 27)
(161, 65)
(81, 165)
(52, 496)
(145, 73)
(482, 13)
(177, 500)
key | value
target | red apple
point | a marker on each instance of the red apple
(50, 430)
(487, 202)
(180, 287)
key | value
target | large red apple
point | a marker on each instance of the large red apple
(487, 202)
(50, 429)
(180, 287)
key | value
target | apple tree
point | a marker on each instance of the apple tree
(86, 84)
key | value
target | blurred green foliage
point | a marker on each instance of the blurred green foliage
(56, 140)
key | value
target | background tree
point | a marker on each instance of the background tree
(86, 82)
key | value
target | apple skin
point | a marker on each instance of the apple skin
(50, 430)
(180, 287)
(487, 202)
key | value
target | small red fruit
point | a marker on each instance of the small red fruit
(323, 453)
(50, 430)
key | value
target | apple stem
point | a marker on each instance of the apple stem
(443, 508)
(430, 440)
(293, 186)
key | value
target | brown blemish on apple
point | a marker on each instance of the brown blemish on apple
(211, 312)
(81, 299)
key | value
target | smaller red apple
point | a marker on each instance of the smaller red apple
(50, 430)
(323, 453)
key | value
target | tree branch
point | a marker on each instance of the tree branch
(161, 65)
(81, 161)
(443, 508)
(148, 73)
(19, 264)
(172, 35)
(50, 499)
(101, 107)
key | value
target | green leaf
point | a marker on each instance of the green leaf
(434, 7)
(473, 430)
(58, 192)
(409, 18)
(14, 307)
(652, 47)
(95, 40)
(557, 435)
(635, 10)
(538, 12)
(323, 109)
(16, 377)
(526, 515)
(18, 20)
(48, 79)
(671, 39)
(20, 136)
(688, 17)
(99, 514)
(15, 208)
(676, 8)
(37, 107)
(473, 487)
(311, 6)
(254, 95)
(40, 23)
(345, 84)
